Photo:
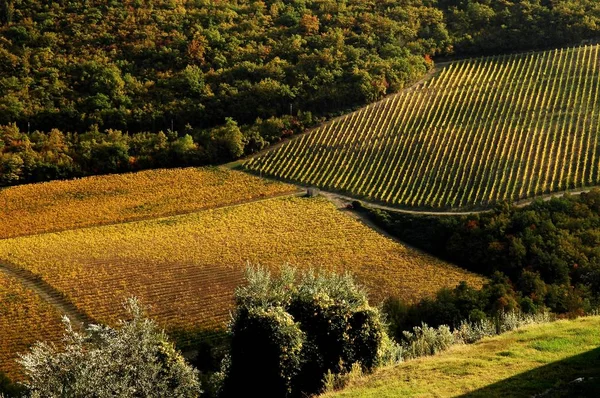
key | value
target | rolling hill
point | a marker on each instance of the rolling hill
(539, 360)
(479, 131)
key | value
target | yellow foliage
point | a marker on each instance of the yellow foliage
(60, 205)
(187, 267)
(24, 319)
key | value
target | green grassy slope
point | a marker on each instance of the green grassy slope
(480, 131)
(534, 360)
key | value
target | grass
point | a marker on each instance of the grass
(24, 319)
(60, 205)
(537, 359)
(187, 267)
(480, 131)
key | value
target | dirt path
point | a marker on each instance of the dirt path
(342, 200)
(48, 294)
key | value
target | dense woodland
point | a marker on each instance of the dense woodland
(90, 85)
(543, 256)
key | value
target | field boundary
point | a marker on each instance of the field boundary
(297, 192)
(47, 293)
(236, 164)
(345, 199)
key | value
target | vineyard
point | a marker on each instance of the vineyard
(24, 319)
(480, 131)
(60, 205)
(187, 267)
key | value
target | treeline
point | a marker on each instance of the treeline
(545, 256)
(39, 156)
(187, 66)
(155, 65)
(491, 27)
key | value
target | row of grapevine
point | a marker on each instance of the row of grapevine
(187, 267)
(99, 200)
(24, 319)
(480, 131)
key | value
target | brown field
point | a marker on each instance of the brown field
(60, 205)
(24, 319)
(187, 267)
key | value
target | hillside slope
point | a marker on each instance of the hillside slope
(188, 266)
(480, 131)
(534, 360)
(59, 205)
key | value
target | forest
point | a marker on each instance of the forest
(104, 86)
(544, 256)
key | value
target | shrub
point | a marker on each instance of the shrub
(8, 388)
(470, 332)
(513, 320)
(265, 352)
(135, 360)
(298, 330)
(425, 340)
(390, 352)
(333, 381)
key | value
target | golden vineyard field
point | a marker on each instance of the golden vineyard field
(187, 267)
(24, 319)
(60, 205)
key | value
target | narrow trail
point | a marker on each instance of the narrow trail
(47, 293)
(344, 200)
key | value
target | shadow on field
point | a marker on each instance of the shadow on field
(577, 376)
(203, 348)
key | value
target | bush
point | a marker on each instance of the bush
(513, 320)
(470, 332)
(135, 360)
(8, 388)
(265, 352)
(425, 340)
(299, 329)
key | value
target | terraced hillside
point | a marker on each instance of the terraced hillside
(187, 267)
(480, 131)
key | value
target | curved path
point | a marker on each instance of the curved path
(48, 293)
(339, 198)
(80, 319)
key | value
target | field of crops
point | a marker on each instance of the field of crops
(480, 131)
(60, 205)
(24, 319)
(188, 266)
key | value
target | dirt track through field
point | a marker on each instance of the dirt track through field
(49, 294)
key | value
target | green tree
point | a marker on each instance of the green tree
(226, 142)
(134, 360)
(298, 329)
(7, 10)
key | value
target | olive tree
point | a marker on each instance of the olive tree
(134, 360)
